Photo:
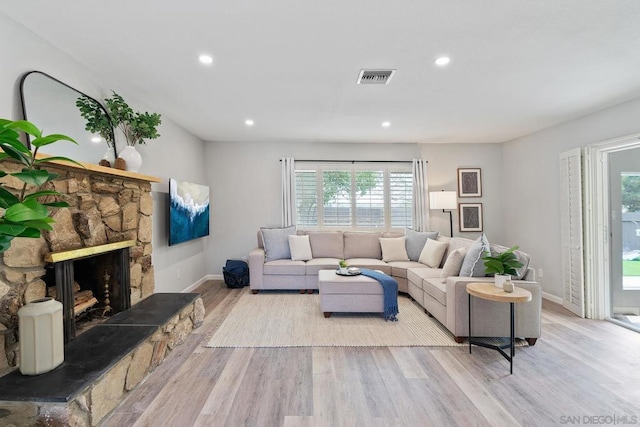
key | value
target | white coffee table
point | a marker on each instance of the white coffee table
(349, 294)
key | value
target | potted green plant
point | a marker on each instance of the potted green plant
(343, 266)
(23, 215)
(135, 126)
(503, 265)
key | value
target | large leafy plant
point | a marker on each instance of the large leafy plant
(135, 126)
(502, 263)
(21, 212)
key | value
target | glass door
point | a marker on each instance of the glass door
(624, 183)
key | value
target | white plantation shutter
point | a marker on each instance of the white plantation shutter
(307, 197)
(336, 210)
(571, 230)
(370, 205)
(401, 197)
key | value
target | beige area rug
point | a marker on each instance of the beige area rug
(283, 319)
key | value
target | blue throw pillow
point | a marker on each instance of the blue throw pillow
(415, 241)
(473, 265)
(276, 242)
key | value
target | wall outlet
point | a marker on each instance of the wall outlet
(177, 273)
(540, 273)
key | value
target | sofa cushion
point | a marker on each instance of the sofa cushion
(276, 242)
(432, 253)
(300, 248)
(473, 266)
(362, 245)
(326, 244)
(416, 240)
(317, 264)
(393, 249)
(453, 264)
(436, 289)
(521, 256)
(373, 264)
(285, 267)
(399, 268)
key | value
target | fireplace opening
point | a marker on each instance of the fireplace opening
(91, 285)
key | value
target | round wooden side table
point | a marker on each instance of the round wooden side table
(489, 291)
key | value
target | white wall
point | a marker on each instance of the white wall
(176, 154)
(531, 217)
(245, 186)
(444, 161)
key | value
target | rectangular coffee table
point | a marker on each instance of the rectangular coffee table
(349, 294)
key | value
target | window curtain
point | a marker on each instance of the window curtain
(288, 191)
(420, 211)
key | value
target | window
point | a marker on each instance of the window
(358, 196)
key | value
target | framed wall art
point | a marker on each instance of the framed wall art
(469, 182)
(470, 216)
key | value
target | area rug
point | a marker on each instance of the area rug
(283, 319)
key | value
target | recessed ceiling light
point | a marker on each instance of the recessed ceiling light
(441, 61)
(248, 122)
(206, 59)
(96, 139)
(386, 124)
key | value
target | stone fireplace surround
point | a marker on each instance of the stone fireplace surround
(106, 206)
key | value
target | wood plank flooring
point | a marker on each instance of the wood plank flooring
(579, 368)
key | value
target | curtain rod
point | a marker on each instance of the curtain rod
(353, 161)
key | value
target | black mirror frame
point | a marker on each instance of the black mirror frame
(24, 106)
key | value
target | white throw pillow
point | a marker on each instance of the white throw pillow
(432, 253)
(451, 267)
(473, 265)
(300, 248)
(393, 249)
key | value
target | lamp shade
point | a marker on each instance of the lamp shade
(443, 200)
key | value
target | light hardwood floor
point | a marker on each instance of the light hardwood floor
(578, 369)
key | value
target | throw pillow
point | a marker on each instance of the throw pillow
(300, 248)
(473, 266)
(451, 267)
(416, 241)
(393, 249)
(276, 242)
(432, 253)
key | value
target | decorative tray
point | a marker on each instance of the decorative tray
(348, 273)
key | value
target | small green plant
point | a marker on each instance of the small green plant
(343, 264)
(503, 263)
(21, 214)
(135, 126)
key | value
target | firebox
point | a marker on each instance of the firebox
(90, 281)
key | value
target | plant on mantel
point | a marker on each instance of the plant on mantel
(135, 126)
(21, 212)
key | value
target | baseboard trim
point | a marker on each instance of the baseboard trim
(202, 280)
(552, 298)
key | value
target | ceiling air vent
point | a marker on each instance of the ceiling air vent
(375, 77)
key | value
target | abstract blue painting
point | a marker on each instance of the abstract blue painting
(188, 211)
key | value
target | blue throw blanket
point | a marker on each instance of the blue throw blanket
(390, 292)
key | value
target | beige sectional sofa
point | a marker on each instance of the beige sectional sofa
(445, 299)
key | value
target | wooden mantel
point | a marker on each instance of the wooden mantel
(90, 167)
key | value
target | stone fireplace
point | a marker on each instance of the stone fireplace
(107, 207)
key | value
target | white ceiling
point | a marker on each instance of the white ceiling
(517, 66)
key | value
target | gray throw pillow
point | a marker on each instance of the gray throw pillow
(416, 240)
(276, 242)
(473, 265)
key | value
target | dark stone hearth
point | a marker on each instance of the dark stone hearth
(93, 353)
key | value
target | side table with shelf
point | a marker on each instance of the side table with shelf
(488, 291)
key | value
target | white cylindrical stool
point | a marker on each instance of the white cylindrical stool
(41, 336)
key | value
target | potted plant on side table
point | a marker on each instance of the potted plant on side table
(503, 265)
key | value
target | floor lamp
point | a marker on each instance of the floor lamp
(445, 200)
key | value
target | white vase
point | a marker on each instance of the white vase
(41, 336)
(130, 155)
(500, 279)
